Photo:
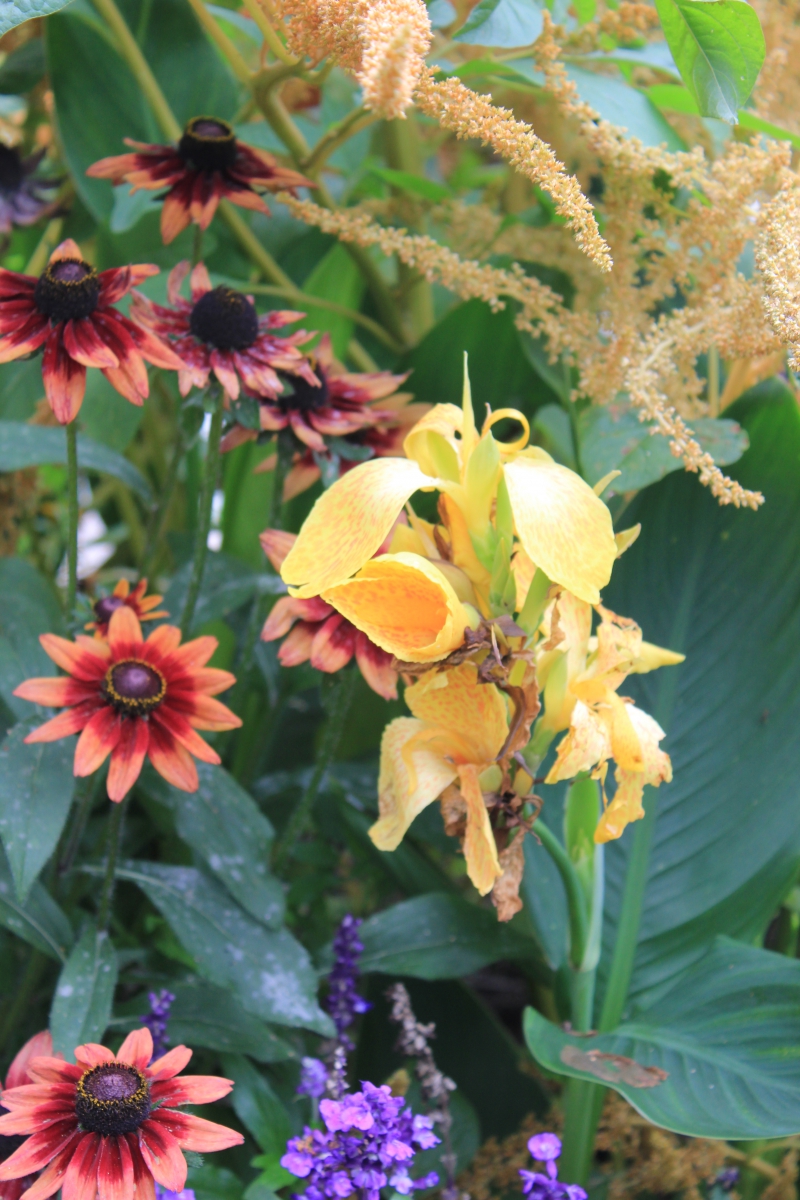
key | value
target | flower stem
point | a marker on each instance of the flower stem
(197, 247)
(45, 246)
(222, 42)
(139, 67)
(339, 699)
(72, 521)
(576, 902)
(115, 822)
(207, 488)
(159, 513)
(22, 996)
(87, 790)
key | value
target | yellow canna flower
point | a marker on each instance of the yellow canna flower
(458, 728)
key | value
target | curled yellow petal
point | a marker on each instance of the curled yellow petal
(432, 442)
(403, 604)
(473, 715)
(651, 657)
(586, 744)
(411, 777)
(349, 522)
(624, 808)
(656, 768)
(480, 849)
(562, 525)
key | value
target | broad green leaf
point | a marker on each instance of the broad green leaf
(612, 438)
(39, 921)
(21, 388)
(625, 107)
(718, 47)
(81, 1007)
(542, 894)
(336, 277)
(36, 786)
(29, 609)
(212, 1017)
(24, 445)
(14, 12)
(723, 586)
(502, 23)
(437, 936)
(23, 69)
(417, 185)
(214, 1183)
(270, 973)
(227, 585)
(225, 826)
(672, 97)
(725, 1036)
(257, 1106)
(441, 13)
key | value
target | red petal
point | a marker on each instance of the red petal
(83, 343)
(171, 760)
(194, 1133)
(26, 339)
(200, 282)
(181, 730)
(53, 693)
(162, 1154)
(334, 645)
(80, 1180)
(124, 633)
(296, 648)
(54, 1070)
(118, 281)
(37, 1151)
(152, 348)
(191, 1089)
(115, 1170)
(142, 1179)
(137, 1049)
(376, 667)
(223, 367)
(175, 280)
(64, 379)
(205, 713)
(175, 215)
(305, 433)
(52, 1177)
(100, 735)
(127, 758)
(64, 725)
(87, 660)
(35, 1047)
(170, 1064)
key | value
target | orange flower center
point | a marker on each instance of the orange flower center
(134, 687)
(112, 1099)
(69, 290)
(208, 144)
(224, 318)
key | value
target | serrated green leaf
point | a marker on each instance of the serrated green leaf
(718, 47)
(202, 1015)
(81, 1007)
(36, 787)
(725, 1036)
(225, 826)
(502, 23)
(270, 973)
(39, 921)
(14, 12)
(24, 445)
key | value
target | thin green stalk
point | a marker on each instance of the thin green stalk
(47, 243)
(72, 520)
(140, 69)
(197, 245)
(403, 153)
(259, 15)
(87, 790)
(222, 42)
(338, 704)
(583, 1104)
(22, 996)
(254, 250)
(159, 513)
(576, 901)
(115, 822)
(357, 318)
(208, 486)
(335, 137)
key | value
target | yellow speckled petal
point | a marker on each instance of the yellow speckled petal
(562, 525)
(624, 808)
(473, 714)
(480, 849)
(423, 442)
(403, 793)
(586, 744)
(349, 522)
(404, 604)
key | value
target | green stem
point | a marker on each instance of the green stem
(72, 521)
(338, 704)
(576, 901)
(300, 297)
(197, 246)
(254, 250)
(159, 513)
(583, 1104)
(86, 794)
(336, 136)
(22, 997)
(208, 486)
(115, 821)
(47, 243)
(222, 42)
(139, 67)
(403, 153)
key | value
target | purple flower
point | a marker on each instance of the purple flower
(24, 197)
(343, 1001)
(163, 1193)
(369, 1138)
(156, 1021)
(546, 1148)
(313, 1077)
(727, 1178)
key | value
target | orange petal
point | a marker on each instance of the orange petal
(170, 1064)
(40, 1044)
(162, 1154)
(92, 1054)
(65, 724)
(66, 249)
(137, 1049)
(194, 1133)
(52, 1178)
(276, 544)
(177, 725)
(165, 639)
(124, 632)
(172, 760)
(191, 1089)
(349, 522)
(115, 1170)
(98, 739)
(86, 660)
(80, 1180)
(376, 667)
(468, 712)
(195, 653)
(36, 1152)
(127, 757)
(212, 715)
(52, 693)
(586, 744)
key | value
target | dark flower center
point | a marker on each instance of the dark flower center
(303, 397)
(134, 687)
(112, 1099)
(11, 172)
(105, 606)
(67, 291)
(225, 319)
(208, 145)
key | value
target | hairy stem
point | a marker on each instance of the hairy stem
(403, 153)
(139, 67)
(115, 822)
(222, 42)
(338, 704)
(72, 521)
(207, 488)
(258, 12)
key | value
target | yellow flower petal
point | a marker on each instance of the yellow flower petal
(586, 744)
(656, 769)
(480, 848)
(562, 525)
(651, 657)
(472, 714)
(462, 551)
(432, 442)
(403, 604)
(404, 792)
(349, 522)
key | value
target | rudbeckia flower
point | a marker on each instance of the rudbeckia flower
(219, 330)
(24, 198)
(143, 606)
(69, 310)
(132, 698)
(109, 1125)
(458, 728)
(581, 677)
(40, 1043)
(313, 631)
(208, 164)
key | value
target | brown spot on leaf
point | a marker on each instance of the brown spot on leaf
(612, 1068)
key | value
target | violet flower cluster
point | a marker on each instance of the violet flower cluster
(343, 1001)
(156, 1019)
(369, 1141)
(546, 1148)
(313, 1077)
